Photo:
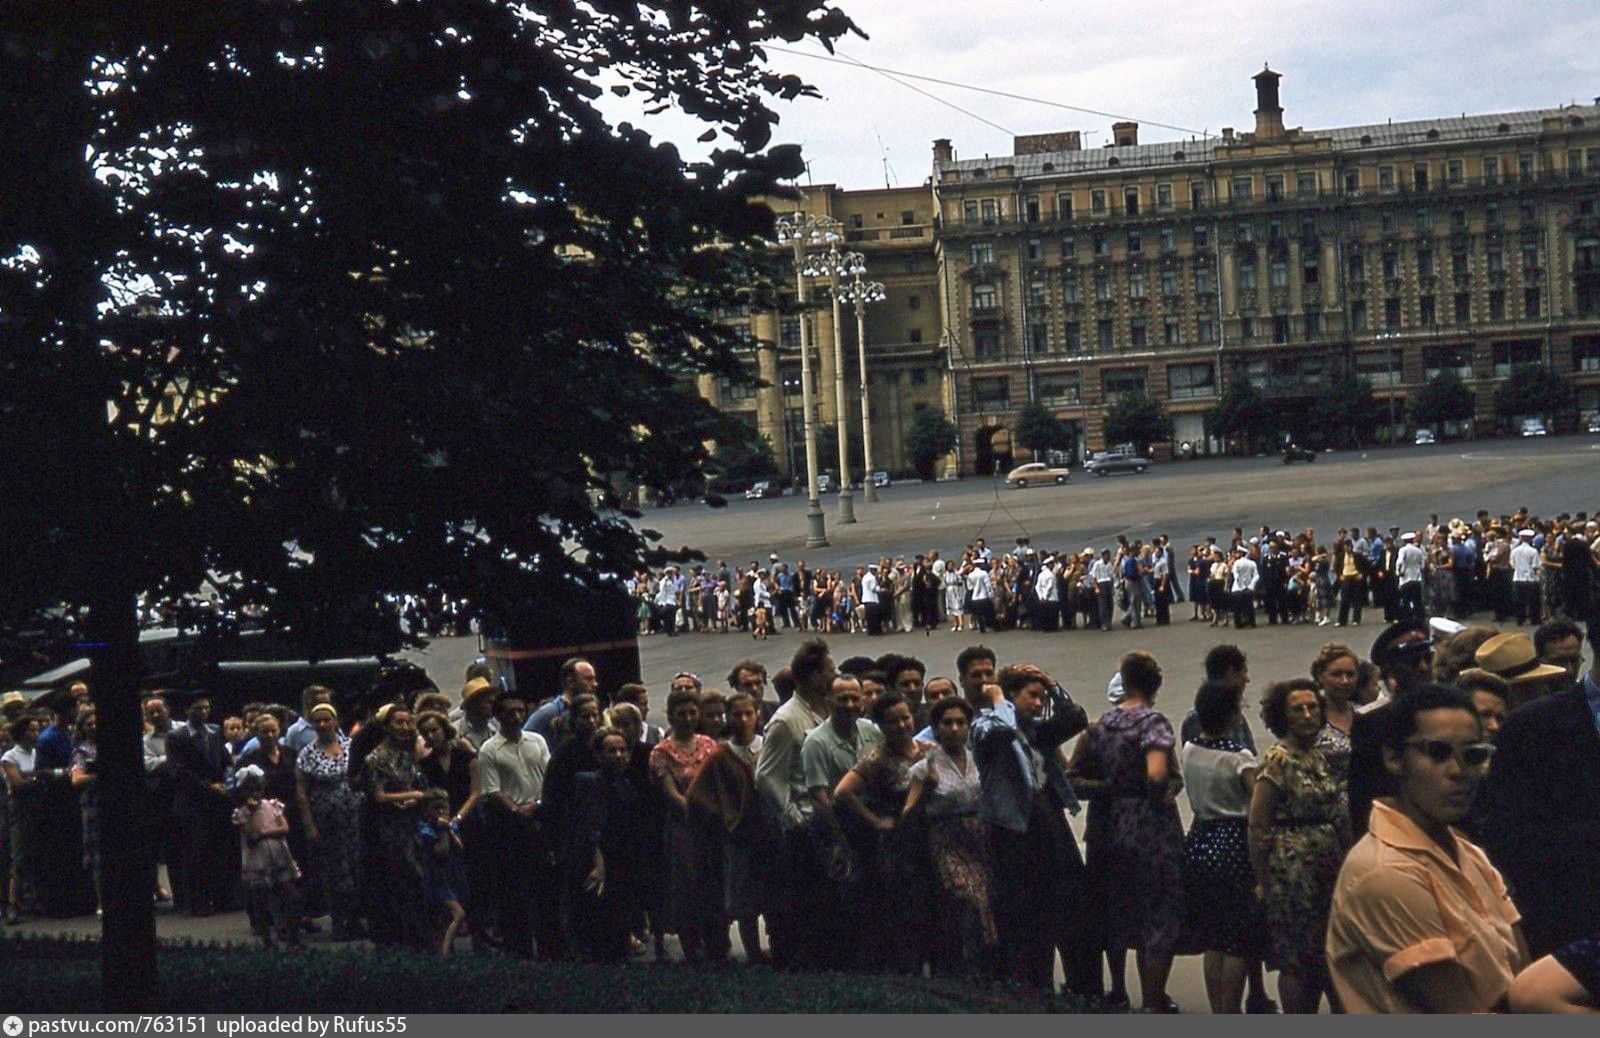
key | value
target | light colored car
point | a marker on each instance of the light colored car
(1594, 423)
(765, 488)
(1534, 427)
(1424, 438)
(881, 478)
(1036, 472)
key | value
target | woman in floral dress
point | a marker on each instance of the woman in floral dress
(694, 907)
(1337, 671)
(1299, 833)
(330, 809)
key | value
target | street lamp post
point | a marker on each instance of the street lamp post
(798, 230)
(859, 293)
(835, 265)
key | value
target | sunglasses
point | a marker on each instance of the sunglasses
(1468, 755)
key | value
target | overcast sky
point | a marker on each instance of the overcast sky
(1188, 64)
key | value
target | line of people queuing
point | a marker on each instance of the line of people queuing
(1420, 831)
(1518, 566)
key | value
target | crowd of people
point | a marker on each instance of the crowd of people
(1420, 836)
(1519, 567)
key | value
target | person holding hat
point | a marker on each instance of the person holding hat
(1403, 654)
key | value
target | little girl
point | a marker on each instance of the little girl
(444, 874)
(268, 869)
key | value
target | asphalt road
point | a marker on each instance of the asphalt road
(1187, 500)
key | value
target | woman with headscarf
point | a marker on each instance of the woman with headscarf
(330, 813)
(602, 853)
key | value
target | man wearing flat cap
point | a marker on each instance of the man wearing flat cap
(1403, 654)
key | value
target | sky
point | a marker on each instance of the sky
(1187, 64)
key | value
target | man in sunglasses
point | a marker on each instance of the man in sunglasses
(1403, 654)
(1421, 922)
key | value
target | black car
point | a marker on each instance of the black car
(1106, 462)
(1294, 452)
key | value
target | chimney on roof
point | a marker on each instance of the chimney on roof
(1124, 134)
(1227, 133)
(943, 154)
(1269, 115)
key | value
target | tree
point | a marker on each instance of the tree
(1534, 391)
(1350, 411)
(741, 459)
(1444, 399)
(1039, 430)
(1137, 419)
(930, 438)
(1242, 413)
(286, 288)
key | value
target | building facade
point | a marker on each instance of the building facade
(1066, 277)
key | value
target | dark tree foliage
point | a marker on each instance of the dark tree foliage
(1242, 414)
(372, 280)
(1137, 419)
(743, 459)
(930, 438)
(1349, 414)
(1534, 391)
(1444, 399)
(1039, 430)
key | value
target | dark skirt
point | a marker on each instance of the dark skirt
(1223, 914)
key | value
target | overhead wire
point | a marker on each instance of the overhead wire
(891, 77)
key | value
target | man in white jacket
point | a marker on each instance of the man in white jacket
(1245, 578)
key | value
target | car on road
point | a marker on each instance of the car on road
(1594, 423)
(1293, 452)
(765, 488)
(824, 483)
(1424, 438)
(881, 478)
(1534, 427)
(1036, 472)
(1104, 463)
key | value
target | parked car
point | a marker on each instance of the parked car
(1104, 463)
(1036, 472)
(881, 478)
(765, 488)
(1594, 423)
(824, 483)
(1534, 427)
(1424, 438)
(1293, 452)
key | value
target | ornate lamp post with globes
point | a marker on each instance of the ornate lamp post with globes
(800, 230)
(859, 292)
(835, 266)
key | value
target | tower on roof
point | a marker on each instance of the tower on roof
(1269, 114)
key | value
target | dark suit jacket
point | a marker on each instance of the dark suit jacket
(1544, 817)
(198, 759)
(1368, 778)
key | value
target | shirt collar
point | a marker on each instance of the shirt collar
(1390, 826)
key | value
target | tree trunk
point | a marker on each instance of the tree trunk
(128, 933)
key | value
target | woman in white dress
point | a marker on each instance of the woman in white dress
(955, 594)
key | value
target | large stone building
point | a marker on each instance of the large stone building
(1066, 277)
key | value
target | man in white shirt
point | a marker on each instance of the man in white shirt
(1044, 593)
(1104, 576)
(869, 599)
(511, 769)
(1525, 569)
(1408, 565)
(1245, 577)
(981, 588)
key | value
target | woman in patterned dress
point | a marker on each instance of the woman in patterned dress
(395, 786)
(330, 809)
(1337, 671)
(1126, 761)
(694, 907)
(1299, 833)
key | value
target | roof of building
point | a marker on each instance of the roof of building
(1194, 151)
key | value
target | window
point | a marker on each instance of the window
(1274, 230)
(1352, 225)
(1391, 314)
(1204, 329)
(989, 210)
(1308, 231)
(1279, 273)
(1424, 221)
(907, 217)
(1530, 302)
(1069, 288)
(1525, 213)
(1074, 337)
(1102, 244)
(1530, 255)
(1163, 196)
(1039, 338)
(1103, 333)
(991, 394)
(1438, 360)
(1574, 162)
(1385, 178)
(1247, 275)
(855, 220)
(1169, 283)
(1309, 270)
(969, 211)
(1525, 167)
(1031, 208)
(1497, 304)
(1508, 356)
(1419, 176)
(746, 337)
(1305, 184)
(1097, 202)
(1358, 267)
(1130, 201)
(1491, 170)
(1197, 194)
(1352, 182)
(1064, 206)
(1036, 292)
(1491, 215)
(1425, 314)
(1591, 160)
(1586, 354)
(1391, 267)
(919, 376)
(1275, 189)
(1102, 286)
(1171, 330)
(1241, 189)
(1494, 261)
(1069, 247)
(1203, 285)
(910, 265)
(1386, 222)
(1463, 308)
(1246, 232)
(1358, 315)
(1034, 251)
(1458, 265)
(1136, 283)
(984, 298)
(913, 302)
(736, 390)
(789, 334)
(1247, 326)
(986, 345)
(1425, 263)
(1453, 171)
(1120, 382)
(1458, 219)
(1313, 324)
(1060, 388)
(1135, 242)
(1202, 236)
(913, 334)
(1169, 239)
(1280, 328)
(981, 252)
(1380, 367)
(1137, 336)
(1191, 381)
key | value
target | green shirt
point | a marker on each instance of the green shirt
(827, 757)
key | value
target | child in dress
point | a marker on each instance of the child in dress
(268, 869)
(444, 874)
